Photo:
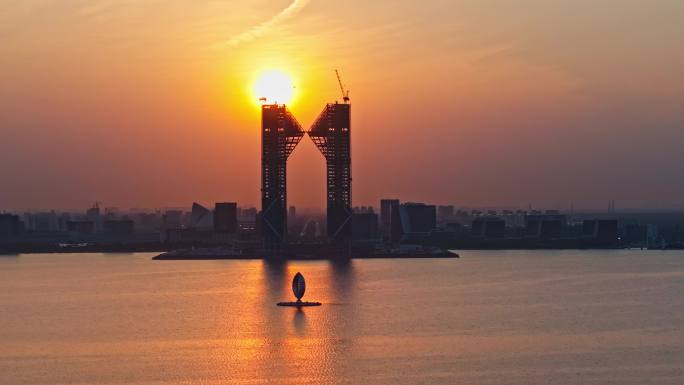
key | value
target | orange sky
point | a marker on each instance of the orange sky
(149, 103)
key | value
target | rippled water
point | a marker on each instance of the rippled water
(568, 317)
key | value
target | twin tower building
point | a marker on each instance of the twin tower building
(280, 134)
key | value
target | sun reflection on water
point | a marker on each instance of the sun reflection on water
(291, 342)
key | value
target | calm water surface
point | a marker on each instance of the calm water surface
(541, 317)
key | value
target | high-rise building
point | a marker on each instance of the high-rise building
(292, 212)
(200, 217)
(45, 221)
(488, 228)
(365, 226)
(386, 206)
(225, 217)
(445, 213)
(603, 230)
(412, 221)
(62, 220)
(118, 227)
(172, 219)
(331, 132)
(543, 226)
(93, 213)
(248, 214)
(10, 225)
(147, 221)
(85, 227)
(280, 134)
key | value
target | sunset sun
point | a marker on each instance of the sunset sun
(275, 86)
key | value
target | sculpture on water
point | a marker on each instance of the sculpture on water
(298, 288)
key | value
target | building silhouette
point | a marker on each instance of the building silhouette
(545, 226)
(247, 214)
(365, 226)
(280, 134)
(331, 132)
(413, 222)
(445, 212)
(172, 219)
(201, 217)
(605, 231)
(118, 227)
(81, 227)
(386, 206)
(225, 218)
(488, 228)
(10, 225)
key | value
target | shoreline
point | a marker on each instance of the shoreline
(163, 250)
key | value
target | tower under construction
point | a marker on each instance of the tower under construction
(331, 132)
(280, 134)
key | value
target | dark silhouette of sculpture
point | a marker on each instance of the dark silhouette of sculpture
(298, 288)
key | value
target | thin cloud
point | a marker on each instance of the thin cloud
(259, 30)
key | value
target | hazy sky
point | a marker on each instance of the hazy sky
(148, 103)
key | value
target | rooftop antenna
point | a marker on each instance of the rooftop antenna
(345, 93)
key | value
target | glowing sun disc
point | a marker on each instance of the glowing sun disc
(275, 86)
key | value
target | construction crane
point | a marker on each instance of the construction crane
(345, 93)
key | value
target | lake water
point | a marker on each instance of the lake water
(491, 317)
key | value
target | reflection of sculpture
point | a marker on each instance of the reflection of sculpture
(298, 288)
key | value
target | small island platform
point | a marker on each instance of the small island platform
(299, 304)
(306, 255)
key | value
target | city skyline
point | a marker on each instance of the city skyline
(485, 105)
